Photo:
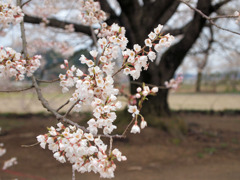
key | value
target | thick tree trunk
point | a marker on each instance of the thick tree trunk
(157, 105)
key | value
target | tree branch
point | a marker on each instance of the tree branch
(45, 81)
(70, 109)
(17, 90)
(25, 3)
(150, 85)
(208, 18)
(58, 24)
(66, 103)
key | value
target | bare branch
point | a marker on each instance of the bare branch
(44, 81)
(46, 105)
(223, 17)
(119, 70)
(57, 24)
(128, 126)
(66, 103)
(31, 145)
(208, 18)
(70, 109)
(17, 90)
(23, 35)
(25, 3)
(150, 85)
(110, 145)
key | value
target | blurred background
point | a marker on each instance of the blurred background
(193, 132)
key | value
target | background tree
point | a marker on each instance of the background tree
(139, 18)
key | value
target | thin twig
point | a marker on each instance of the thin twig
(25, 3)
(23, 35)
(70, 109)
(66, 103)
(150, 85)
(128, 126)
(45, 81)
(223, 17)
(31, 145)
(110, 145)
(208, 18)
(118, 70)
(117, 136)
(16, 90)
(46, 105)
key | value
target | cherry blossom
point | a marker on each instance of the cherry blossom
(13, 65)
(81, 149)
(135, 129)
(10, 14)
(174, 83)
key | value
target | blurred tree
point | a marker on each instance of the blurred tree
(139, 18)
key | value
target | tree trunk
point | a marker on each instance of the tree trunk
(198, 82)
(157, 105)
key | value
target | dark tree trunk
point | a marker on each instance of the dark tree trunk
(157, 74)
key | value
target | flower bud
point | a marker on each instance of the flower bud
(155, 90)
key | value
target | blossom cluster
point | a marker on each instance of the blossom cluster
(141, 95)
(91, 12)
(111, 38)
(81, 149)
(174, 83)
(10, 14)
(137, 58)
(13, 65)
(95, 89)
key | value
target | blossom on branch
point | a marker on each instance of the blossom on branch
(13, 65)
(10, 14)
(174, 83)
(81, 149)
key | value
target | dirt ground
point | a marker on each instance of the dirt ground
(210, 151)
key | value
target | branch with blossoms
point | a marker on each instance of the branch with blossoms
(82, 146)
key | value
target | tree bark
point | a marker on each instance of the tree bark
(170, 61)
(198, 82)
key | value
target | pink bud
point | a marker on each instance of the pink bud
(138, 95)
(66, 62)
(155, 90)
(139, 89)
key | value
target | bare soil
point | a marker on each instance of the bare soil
(210, 151)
